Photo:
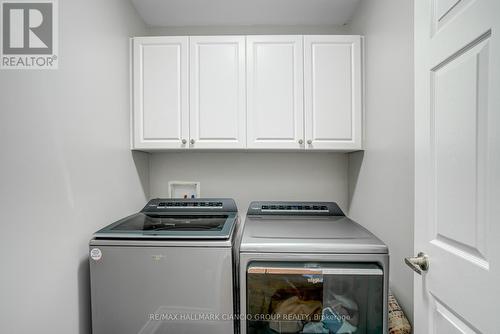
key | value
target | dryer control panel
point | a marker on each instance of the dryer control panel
(295, 209)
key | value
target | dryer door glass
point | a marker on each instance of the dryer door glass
(314, 298)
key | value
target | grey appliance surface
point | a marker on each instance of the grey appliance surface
(317, 234)
(141, 289)
(169, 284)
(202, 218)
(308, 234)
(207, 243)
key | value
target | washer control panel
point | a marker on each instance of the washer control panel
(190, 205)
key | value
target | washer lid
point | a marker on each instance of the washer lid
(176, 219)
(308, 234)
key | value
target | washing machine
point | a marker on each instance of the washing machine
(307, 268)
(167, 269)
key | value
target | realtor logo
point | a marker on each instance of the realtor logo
(29, 34)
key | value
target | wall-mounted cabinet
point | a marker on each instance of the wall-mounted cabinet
(275, 108)
(217, 92)
(254, 92)
(161, 105)
(332, 92)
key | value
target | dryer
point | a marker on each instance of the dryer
(166, 269)
(307, 268)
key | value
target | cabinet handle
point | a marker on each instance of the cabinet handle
(301, 141)
(309, 141)
(184, 141)
(192, 141)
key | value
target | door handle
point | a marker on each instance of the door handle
(420, 263)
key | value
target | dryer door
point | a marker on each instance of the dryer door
(291, 297)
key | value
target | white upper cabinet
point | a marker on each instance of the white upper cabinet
(275, 114)
(217, 92)
(254, 92)
(332, 92)
(160, 85)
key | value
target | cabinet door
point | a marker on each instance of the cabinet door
(217, 92)
(160, 83)
(275, 114)
(332, 86)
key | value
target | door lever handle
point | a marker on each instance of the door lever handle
(419, 264)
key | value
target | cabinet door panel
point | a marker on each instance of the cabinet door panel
(333, 108)
(275, 92)
(160, 118)
(217, 92)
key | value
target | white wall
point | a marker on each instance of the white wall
(247, 30)
(255, 176)
(381, 177)
(379, 192)
(66, 168)
(247, 176)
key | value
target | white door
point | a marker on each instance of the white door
(217, 92)
(457, 165)
(332, 92)
(275, 112)
(160, 84)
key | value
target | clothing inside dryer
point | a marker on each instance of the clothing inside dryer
(314, 298)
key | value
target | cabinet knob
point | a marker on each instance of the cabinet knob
(192, 141)
(301, 141)
(184, 141)
(309, 141)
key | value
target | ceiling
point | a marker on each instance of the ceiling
(178, 13)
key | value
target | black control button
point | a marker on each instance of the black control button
(265, 207)
(177, 204)
(315, 207)
(273, 207)
(195, 204)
